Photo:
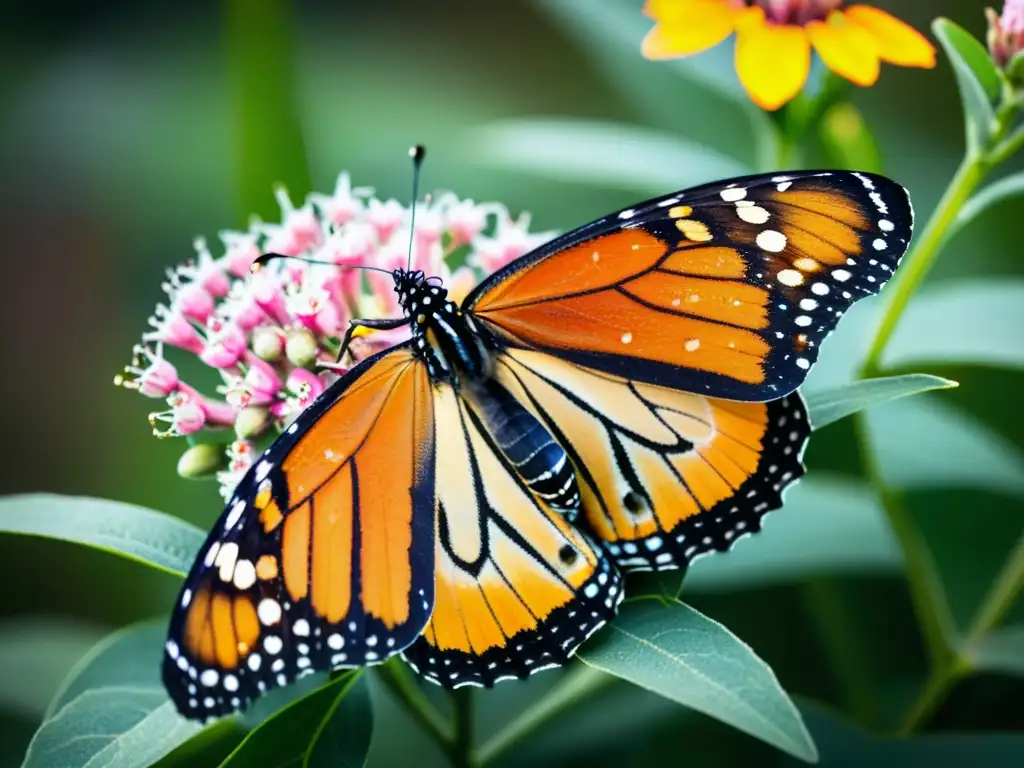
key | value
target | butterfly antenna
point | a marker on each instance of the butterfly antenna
(417, 153)
(261, 261)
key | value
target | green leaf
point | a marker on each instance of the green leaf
(36, 653)
(137, 533)
(826, 526)
(827, 406)
(976, 76)
(848, 140)
(121, 727)
(1000, 650)
(602, 153)
(973, 321)
(843, 746)
(127, 658)
(329, 727)
(673, 650)
(925, 443)
(1004, 189)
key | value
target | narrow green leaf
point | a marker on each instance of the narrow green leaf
(905, 435)
(830, 405)
(826, 526)
(1005, 188)
(269, 145)
(36, 653)
(153, 538)
(602, 153)
(110, 728)
(976, 77)
(847, 139)
(973, 321)
(329, 727)
(1000, 650)
(127, 658)
(672, 650)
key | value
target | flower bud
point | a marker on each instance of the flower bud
(251, 422)
(301, 348)
(203, 460)
(268, 344)
(1006, 34)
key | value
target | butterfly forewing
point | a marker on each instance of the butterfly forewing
(324, 557)
(724, 290)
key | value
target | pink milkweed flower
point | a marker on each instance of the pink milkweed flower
(385, 217)
(273, 336)
(1006, 32)
(225, 344)
(207, 272)
(158, 379)
(345, 204)
(300, 231)
(511, 241)
(173, 328)
(241, 252)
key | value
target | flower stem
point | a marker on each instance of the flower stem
(1001, 594)
(967, 178)
(461, 751)
(579, 683)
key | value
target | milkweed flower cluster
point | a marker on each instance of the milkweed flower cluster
(774, 39)
(272, 336)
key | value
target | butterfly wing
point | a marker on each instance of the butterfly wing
(726, 290)
(665, 476)
(324, 557)
(518, 588)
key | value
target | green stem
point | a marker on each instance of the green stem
(931, 605)
(579, 683)
(908, 279)
(396, 677)
(461, 751)
(1001, 595)
(939, 684)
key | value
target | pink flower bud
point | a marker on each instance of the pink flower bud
(158, 379)
(385, 218)
(305, 385)
(344, 205)
(261, 381)
(1006, 32)
(268, 293)
(193, 301)
(466, 220)
(171, 327)
(185, 417)
(241, 252)
(207, 272)
(224, 346)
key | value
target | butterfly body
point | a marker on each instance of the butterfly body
(620, 399)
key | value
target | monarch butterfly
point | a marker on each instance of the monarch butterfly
(620, 399)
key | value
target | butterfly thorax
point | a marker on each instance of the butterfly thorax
(442, 333)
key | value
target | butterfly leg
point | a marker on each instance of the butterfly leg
(377, 324)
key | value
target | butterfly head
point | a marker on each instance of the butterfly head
(420, 297)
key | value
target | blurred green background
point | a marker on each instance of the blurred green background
(126, 130)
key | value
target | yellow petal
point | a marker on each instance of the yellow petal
(772, 60)
(687, 28)
(898, 43)
(846, 49)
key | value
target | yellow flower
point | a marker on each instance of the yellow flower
(774, 39)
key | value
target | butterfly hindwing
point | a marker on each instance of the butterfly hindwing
(324, 556)
(726, 290)
(518, 588)
(665, 476)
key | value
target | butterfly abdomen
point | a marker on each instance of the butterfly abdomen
(531, 450)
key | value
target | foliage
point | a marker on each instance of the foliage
(669, 654)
